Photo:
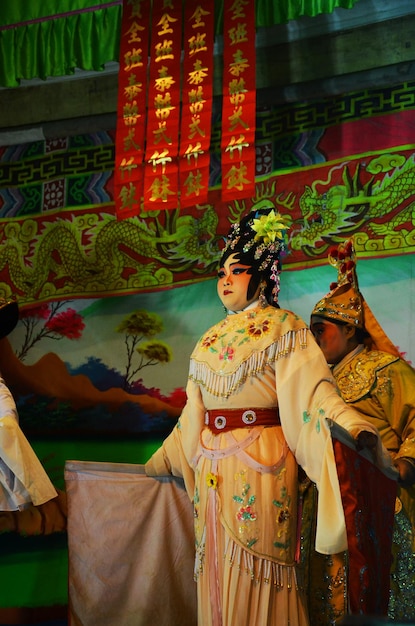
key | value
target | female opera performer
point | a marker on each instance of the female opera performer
(260, 402)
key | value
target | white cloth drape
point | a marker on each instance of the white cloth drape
(131, 547)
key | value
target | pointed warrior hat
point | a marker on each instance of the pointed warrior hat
(345, 302)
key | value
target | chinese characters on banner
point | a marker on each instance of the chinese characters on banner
(197, 101)
(131, 115)
(165, 104)
(161, 176)
(239, 100)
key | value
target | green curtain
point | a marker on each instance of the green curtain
(46, 38)
(271, 12)
(39, 47)
(282, 11)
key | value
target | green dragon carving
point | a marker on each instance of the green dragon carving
(94, 253)
(83, 254)
(343, 210)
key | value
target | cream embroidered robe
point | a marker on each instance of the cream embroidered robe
(23, 479)
(244, 483)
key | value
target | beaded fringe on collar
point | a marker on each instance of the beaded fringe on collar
(223, 384)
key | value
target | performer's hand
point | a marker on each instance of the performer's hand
(366, 439)
(406, 471)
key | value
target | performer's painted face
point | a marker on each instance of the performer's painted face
(335, 340)
(233, 281)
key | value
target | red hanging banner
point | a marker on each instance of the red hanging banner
(196, 119)
(239, 100)
(161, 179)
(131, 109)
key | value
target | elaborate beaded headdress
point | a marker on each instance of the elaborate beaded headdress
(262, 235)
(345, 302)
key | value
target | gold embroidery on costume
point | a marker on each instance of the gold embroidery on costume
(357, 377)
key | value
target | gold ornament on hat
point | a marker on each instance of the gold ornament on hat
(343, 258)
(344, 300)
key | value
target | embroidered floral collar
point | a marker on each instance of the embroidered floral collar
(242, 345)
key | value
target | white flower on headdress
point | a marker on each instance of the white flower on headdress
(269, 227)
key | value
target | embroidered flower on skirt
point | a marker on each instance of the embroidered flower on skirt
(246, 513)
(212, 480)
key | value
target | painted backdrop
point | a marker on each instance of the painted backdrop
(111, 309)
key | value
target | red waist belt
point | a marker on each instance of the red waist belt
(221, 420)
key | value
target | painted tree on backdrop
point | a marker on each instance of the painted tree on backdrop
(137, 327)
(45, 321)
